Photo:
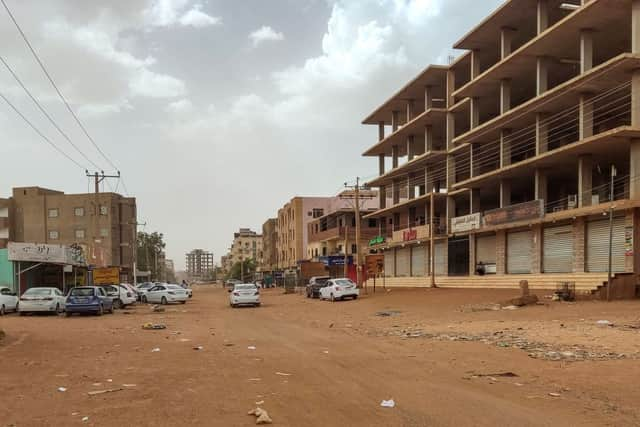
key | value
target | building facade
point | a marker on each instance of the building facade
(199, 264)
(247, 244)
(499, 166)
(103, 224)
(269, 245)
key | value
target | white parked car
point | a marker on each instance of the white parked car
(163, 293)
(8, 301)
(244, 294)
(49, 300)
(339, 289)
(143, 288)
(120, 295)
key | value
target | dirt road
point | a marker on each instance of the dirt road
(323, 364)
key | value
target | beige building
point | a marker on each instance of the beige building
(199, 264)
(247, 244)
(103, 224)
(502, 161)
(269, 245)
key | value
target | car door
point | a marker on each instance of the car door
(8, 299)
(154, 294)
(104, 298)
(323, 290)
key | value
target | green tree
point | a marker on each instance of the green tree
(249, 267)
(150, 246)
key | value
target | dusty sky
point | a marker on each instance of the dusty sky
(216, 112)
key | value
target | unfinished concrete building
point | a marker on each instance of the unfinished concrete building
(515, 143)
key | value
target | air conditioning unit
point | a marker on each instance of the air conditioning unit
(572, 201)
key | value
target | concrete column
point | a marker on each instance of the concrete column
(501, 252)
(506, 37)
(410, 148)
(474, 200)
(451, 212)
(586, 50)
(450, 129)
(381, 164)
(451, 85)
(428, 181)
(395, 152)
(395, 192)
(475, 64)
(451, 172)
(428, 97)
(542, 75)
(395, 120)
(578, 245)
(474, 167)
(542, 133)
(505, 193)
(536, 249)
(543, 15)
(585, 182)
(382, 194)
(428, 138)
(541, 185)
(635, 98)
(634, 169)
(411, 108)
(475, 113)
(380, 131)
(505, 95)
(505, 148)
(585, 116)
(635, 26)
(472, 254)
(411, 187)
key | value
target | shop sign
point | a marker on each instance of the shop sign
(409, 235)
(106, 276)
(522, 211)
(40, 252)
(378, 240)
(375, 264)
(465, 223)
(335, 260)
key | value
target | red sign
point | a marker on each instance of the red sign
(409, 235)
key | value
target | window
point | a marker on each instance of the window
(317, 212)
(54, 213)
(79, 234)
(372, 223)
(354, 248)
(78, 211)
(104, 232)
(54, 235)
(104, 210)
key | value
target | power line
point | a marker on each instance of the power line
(26, 40)
(35, 129)
(46, 114)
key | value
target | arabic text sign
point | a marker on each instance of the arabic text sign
(465, 223)
(40, 252)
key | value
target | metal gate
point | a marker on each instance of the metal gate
(598, 246)
(519, 246)
(486, 249)
(390, 263)
(557, 249)
(403, 258)
(418, 261)
(439, 249)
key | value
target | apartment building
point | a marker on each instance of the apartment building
(199, 264)
(103, 224)
(502, 161)
(247, 244)
(269, 249)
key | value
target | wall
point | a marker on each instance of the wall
(6, 269)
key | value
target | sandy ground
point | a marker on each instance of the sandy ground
(325, 364)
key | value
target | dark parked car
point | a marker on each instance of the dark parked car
(89, 299)
(315, 284)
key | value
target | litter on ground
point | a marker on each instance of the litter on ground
(388, 403)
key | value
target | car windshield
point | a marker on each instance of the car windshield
(81, 292)
(38, 291)
(245, 287)
(344, 282)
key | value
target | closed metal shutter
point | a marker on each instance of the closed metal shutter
(403, 257)
(598, 246)
(418, 261)
(557, 249)
(519, 246)
(439, 249)
(389, 263)
(486, 249)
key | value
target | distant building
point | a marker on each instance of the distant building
(269, 249)
(247, 244)
(199, 264)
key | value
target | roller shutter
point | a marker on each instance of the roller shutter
(557, 249)
(439, 249)
(389, 263)
(598, 246)
(486, 249)
(418, 261)
(519, 246)
(403, 257)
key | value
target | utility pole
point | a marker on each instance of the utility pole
(357, 198)
(99, 177)
(432, 259)
(134, 230)
(609, 272)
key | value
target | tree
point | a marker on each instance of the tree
(249, 267)
(150, 246)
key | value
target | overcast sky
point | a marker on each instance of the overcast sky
(216, 112)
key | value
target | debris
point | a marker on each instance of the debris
(96, 384)
(388, 403)
(507, 374)
(260, 403)
(128, 385)
(62, 389)
(254, 379)
(388, 313)
(521, 301)
(228, 344)
(511, 307)
(157, 309)
(251, 347)
(109, 380)
(110, 390)
(326, 351)
(284, 374)
(184, 340)
(604, 323)
(554, 394)
(85, 419)
(472, 308)
(262, 417)
(198, 347)
(151, 326)
(155, 350)
(518, 384)
(331, 326)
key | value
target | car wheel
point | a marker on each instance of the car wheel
(355, 297)
(143, 299)
(23, 313)
(68, 313)
(117, 304)
(333, 298)
(183, 302)
(100, 311)
(2, 310)
(258, 304)
(163, 301)
(58, 309)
